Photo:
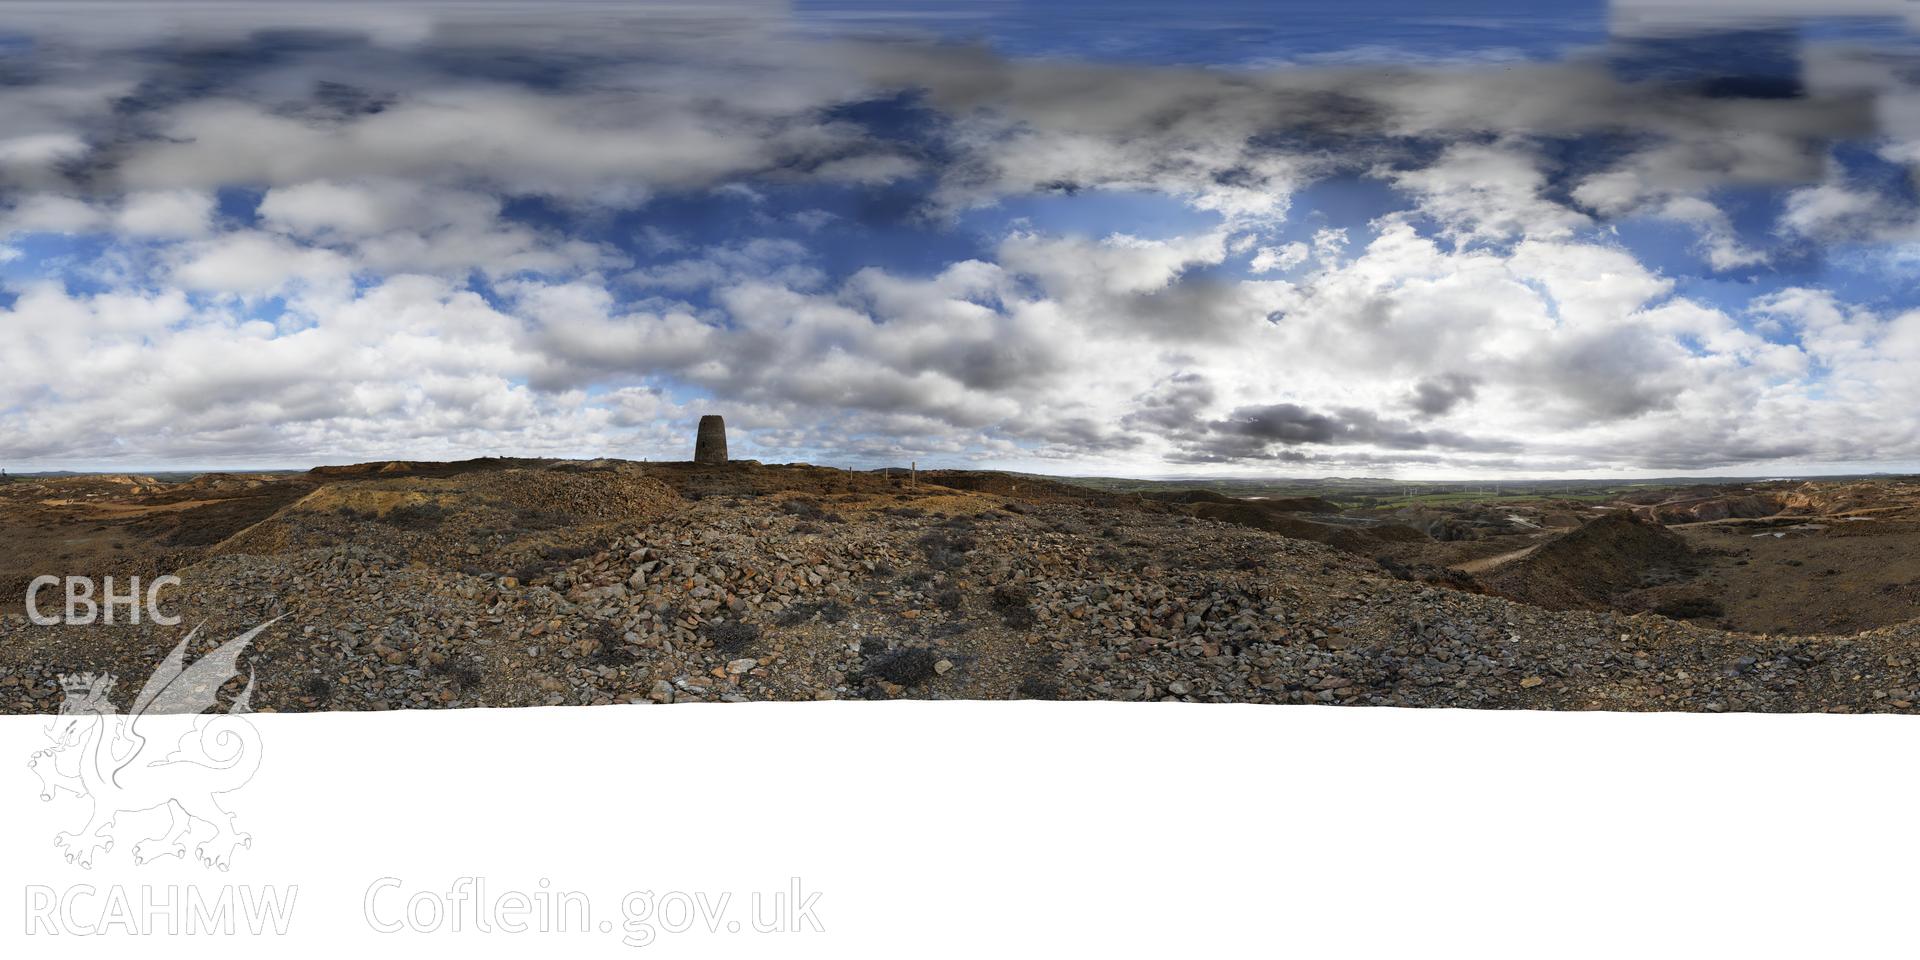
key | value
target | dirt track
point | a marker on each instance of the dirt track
(1489, 564)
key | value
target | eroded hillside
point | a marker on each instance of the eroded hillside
(506, 583)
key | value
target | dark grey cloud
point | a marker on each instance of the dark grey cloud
(1291, 424)
(1283, 432)
(1610, 374)
(1437, 396)
(1696, 453)
(1173, 406)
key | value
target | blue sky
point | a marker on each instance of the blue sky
(1243, 238)
(1233, 33)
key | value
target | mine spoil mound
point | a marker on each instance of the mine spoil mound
(752, 479)
(215, 485)
(1588, 567)
(1277, 504)
(123, 525)
(577, 497)
(1397, 533)
(1261, 515)
(1299, 505)
(1189, 496)
(1031, 489)
(1459, 522)
(505, 582)
(1852, 499)
(422, 515)
(63, 490)
(211, 517)
(424, 468)
(1695, 510)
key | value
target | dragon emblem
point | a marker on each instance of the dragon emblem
(103, 756)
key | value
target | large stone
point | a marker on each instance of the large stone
(710, 446)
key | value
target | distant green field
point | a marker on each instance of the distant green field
(1377, 493)
(1594, 496)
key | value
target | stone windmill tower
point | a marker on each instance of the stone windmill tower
(710, 444)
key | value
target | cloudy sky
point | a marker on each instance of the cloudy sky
(1240, 237)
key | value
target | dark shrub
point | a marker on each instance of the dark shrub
(946, 551)
(612, 649)
(800, 613)
(805, 509)
(463, 673)
(731, 637)
(1013, 603)
(416, 516)
(1038, 688)
(536, 518)
(906, 668)
(1398, 570)
(1008, 596)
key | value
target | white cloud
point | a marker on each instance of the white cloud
(321, 207)
(251, 263)
(1719, 242)
(1483, 328)
(1488, 193)
(1270, 259)
(1835, 211)
(50, 213)
(34, 158)
(170, 213)
(1558, 348)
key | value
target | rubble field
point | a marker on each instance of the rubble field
(504, 583)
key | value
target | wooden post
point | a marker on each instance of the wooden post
(913, 472)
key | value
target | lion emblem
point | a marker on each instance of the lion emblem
(104, 757)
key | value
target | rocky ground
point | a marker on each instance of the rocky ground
(520, 583)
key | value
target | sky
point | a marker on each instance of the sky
(1221, 237)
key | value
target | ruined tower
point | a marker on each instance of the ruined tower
(710, 445)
